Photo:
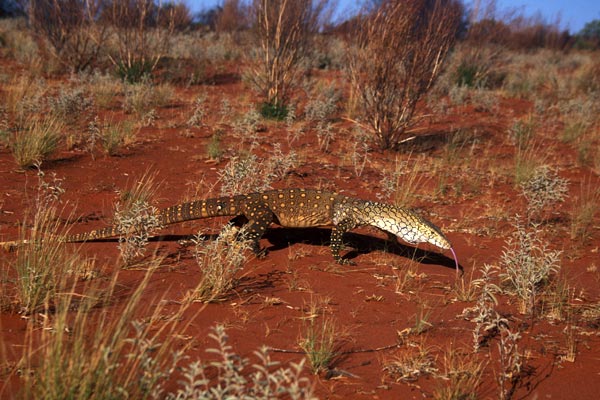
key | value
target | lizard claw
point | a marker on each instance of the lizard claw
(345, 261)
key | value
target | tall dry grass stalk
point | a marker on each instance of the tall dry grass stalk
(401, 48)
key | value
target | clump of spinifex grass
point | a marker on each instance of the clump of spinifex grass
(88, 353)
(250, 173)
(461, 376)
(114, 136)
(411, 362)
(585, 207)
(135, 218)
(400, 184)
(42, 264)
(36, 140)
(220, 260)
(319, 343)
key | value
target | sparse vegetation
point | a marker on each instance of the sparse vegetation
(135, 218)
(411, 362)
(545, 188)
(220, 261)
(35, 141)
(585, 208)
(319, 342)
(527, 266)
(121, 357)
(461, 375)
(142, 97)
(226, 105)
(264, 380)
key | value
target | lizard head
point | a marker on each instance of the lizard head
(408, 226)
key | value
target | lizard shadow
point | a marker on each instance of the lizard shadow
(281, 238)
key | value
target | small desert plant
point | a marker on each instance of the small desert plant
(422, 323)
(113, 136)
(70, 104)
(214, 149)
(462, 375)
(522, 132)
(243, 174)
(199, 112)
(545, 188)
(274, 111)
(235, 380)
(528, 154)
(484, 100)
(135, 218)
(104, 88)
(245, 127)
(23, 96)
(42, 263)
(410, 363)
(511, 362)
(527, 265)
(359, 153)
(249, 173)
(319, 342)
(487, 320)
(476, 66)
(401, 48)
(465, 290)
(142, 97)
(323, 107)
(36, 140)
(220, 261)
(585, 207)
(279, 164)
(325, 135)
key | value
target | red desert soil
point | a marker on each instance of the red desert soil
(299, 269)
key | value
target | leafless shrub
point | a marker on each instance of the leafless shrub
(232, 17)
(401, 48)
(142, 30)
(68, 30)
(282, 30)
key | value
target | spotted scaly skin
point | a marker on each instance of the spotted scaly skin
(297, 208)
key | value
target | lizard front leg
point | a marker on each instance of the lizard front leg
(260, 218)
(337, 243)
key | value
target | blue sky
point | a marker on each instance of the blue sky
(573, 13)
